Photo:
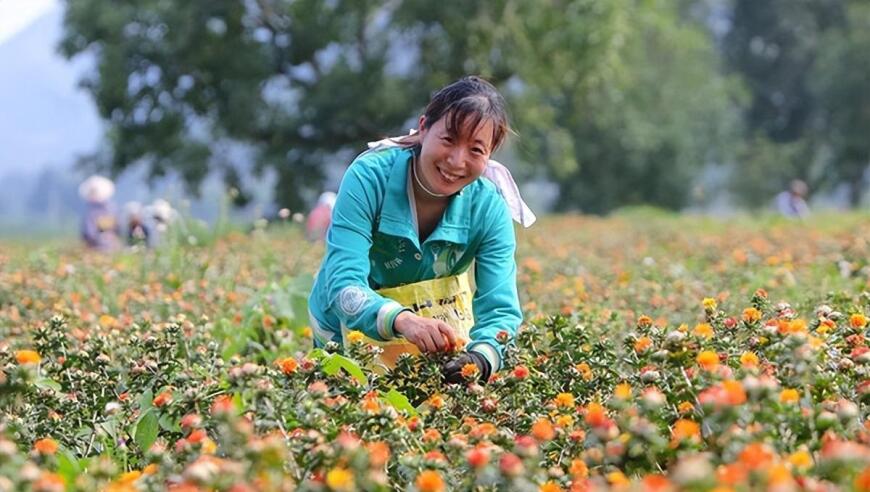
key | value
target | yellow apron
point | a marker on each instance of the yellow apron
(447, 298)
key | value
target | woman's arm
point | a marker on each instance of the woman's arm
(347, 256)
(496, 303)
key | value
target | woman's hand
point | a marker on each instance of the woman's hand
(429, 335)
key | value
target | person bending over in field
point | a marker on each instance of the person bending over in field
(411, 218)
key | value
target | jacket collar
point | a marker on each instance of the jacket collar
(396, 217)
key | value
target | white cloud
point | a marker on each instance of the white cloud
(15, 15)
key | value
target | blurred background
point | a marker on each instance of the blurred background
(697, 106)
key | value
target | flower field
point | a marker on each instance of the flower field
(659, 353)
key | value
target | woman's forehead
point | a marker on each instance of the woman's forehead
(474, 128)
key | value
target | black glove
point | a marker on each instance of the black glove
(452, 371)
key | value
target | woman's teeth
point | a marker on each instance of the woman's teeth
(448, 176)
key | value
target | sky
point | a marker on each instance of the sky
(15, 15)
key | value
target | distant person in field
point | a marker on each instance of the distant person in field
(158, 217)
(137, 229)
(416, 208)
(100, 229)
(792, 202)
(318, 220)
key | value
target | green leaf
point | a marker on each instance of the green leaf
(47, 383)
(335, 362)
(145, 400)
(146, 430)
(68, 466)
(168, 423)
(399, 401)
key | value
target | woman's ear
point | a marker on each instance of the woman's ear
(421, 125)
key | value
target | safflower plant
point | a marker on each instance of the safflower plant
(178, 386)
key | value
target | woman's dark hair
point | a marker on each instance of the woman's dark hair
(466, 104)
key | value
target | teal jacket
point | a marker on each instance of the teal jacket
(373, 243)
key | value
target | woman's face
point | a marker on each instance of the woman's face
(447, 164)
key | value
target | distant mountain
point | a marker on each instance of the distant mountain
(45, 118)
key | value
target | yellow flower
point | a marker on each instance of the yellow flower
(564, 400)
(801, 459)
(564, 421)
(703, 330)
(709, 304)
(748, 359)
(27, 357)
(340, 479)
(685, 407)
(622, 391)
(857, 320)
(789, 395)
(617, 479)
(751, 315)
(355, 336)
(307, 332)
(708, 360)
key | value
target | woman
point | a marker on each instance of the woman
(415, 210)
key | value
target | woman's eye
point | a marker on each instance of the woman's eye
(447, 140)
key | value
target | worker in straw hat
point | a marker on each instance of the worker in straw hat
(100, 229)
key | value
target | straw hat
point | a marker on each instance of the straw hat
(96, 189)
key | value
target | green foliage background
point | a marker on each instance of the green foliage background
(619, 102)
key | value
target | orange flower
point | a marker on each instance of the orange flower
(684, 430)
(222, 404)
(564, 400)
(642, 344)
(550, 486)
(45, 445)
(857, 320)
(379, 453)
(521, 372)
(708, 360)
(862, 481)
(469, 370)
(431, 435)
(288, 365)
(27, 357)
(801, 459)
(731, 474)
(579, 469)
(430, 481)
(751, 315)
(543, 430)
(644, 321)
(370, 403)
(735, 392)
(162, 399)
(756, 455)
(584, 370)
(595, 415)
(703, 330)
(435, 401)
(789, 396)
(340, 478)
(685, 407)
(477, 457)
(656, 483)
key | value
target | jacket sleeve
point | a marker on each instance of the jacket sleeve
(349, 241)
(496, 303)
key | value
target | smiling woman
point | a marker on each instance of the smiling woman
(412, 211)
